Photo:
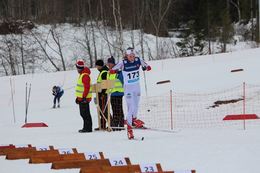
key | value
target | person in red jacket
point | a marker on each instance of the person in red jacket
(83, 95)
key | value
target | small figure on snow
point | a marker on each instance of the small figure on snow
(57, 92)
(130, 69)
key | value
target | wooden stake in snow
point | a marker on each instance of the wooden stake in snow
(163, 82)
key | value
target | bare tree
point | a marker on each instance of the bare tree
(4, 65)
(42, 43)
(118, 25)
(114, 47)
(56, 38)
(11, 58)
(158, 18)
(86, 43)
(9, 54)
(237, 6)
(140, 19)
(92, 33)
(22, 53)
(102, 29)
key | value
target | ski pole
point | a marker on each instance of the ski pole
(12, 94)
(25, 103)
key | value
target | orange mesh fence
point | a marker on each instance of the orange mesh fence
(200, 110)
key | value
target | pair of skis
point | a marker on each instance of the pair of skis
(145, 128)
(152, 129)
(129, 133)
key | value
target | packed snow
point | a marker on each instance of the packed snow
(213, 150)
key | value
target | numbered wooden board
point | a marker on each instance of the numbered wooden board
(79, 164)
(16, 148)
(89, 163)
(55, 155)
(113, 169)
(149, 167)
(4, 147)
(125, 169)
(94, 155)
(26, 154)
(119, 161)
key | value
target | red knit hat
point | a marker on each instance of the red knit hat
(80, 64)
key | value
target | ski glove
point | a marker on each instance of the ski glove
(148, 68)
(144, 68)
(84, 100)
(77, 101)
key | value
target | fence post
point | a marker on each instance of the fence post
(171, 109)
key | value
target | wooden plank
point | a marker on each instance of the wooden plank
(5, 147)
(7, 151)
(117, 169)
(159, 167)
(105, 84)
(56, 156)
(163, 82)
(185, 171)
(23, 154)
(83, 163)
(112, 169)
(237, 70)
(79, 164)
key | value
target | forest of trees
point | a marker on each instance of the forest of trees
(199, 23)
(134, 13)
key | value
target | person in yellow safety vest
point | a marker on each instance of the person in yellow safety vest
(117, 94)
(83, 96)
(102, 96)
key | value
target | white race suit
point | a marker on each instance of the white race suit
(132, 93)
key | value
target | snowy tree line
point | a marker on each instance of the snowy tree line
(180, 28)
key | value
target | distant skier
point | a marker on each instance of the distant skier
(130, 69)
(57, 92)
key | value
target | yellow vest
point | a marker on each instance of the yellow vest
(80, 87)
(99, 79)
(118, 84)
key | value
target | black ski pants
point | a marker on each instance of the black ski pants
(86, 116)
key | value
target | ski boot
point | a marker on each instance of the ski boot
(138, 123)
(130, 133)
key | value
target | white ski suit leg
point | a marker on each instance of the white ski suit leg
(132, 96)
(136, 101)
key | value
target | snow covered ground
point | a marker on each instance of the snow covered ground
(213, 150)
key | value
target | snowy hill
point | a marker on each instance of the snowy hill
(213, 150)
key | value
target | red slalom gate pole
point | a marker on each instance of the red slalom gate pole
(244, 103)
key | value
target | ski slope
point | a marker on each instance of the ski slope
(213, 150)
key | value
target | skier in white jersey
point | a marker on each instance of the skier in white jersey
(130, 69)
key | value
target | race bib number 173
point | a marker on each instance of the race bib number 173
(132, 76)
